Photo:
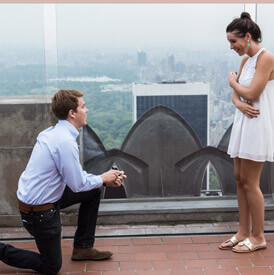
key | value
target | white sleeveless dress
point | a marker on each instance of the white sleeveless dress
(253, 138)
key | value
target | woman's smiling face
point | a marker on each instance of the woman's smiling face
(238, 44)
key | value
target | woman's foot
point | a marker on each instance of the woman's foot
(234, 240)
(248, 245)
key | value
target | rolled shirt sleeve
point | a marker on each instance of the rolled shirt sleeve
(53, 165)
(66, 157)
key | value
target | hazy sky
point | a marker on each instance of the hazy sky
(126, 26)
(21, 24)
(145, 26)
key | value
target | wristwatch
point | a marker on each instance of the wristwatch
(104, 184)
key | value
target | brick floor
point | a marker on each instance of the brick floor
(160, 255)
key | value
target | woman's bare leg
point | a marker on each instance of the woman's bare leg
(244, 230)
(250, 172)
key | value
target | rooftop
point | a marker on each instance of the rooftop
(157, 249)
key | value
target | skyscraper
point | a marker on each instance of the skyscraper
(171, 63)
(190, 100)
(142, 58)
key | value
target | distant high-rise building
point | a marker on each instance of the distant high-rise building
(171, 63)
(190, 100)
(142, 58)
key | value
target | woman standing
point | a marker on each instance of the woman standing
(252, 136)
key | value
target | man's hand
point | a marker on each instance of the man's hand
(113, 178)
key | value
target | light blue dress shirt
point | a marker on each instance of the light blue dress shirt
(54, 163)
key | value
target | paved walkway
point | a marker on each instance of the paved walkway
(160, 253)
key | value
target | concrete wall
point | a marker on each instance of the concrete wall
(22, 118)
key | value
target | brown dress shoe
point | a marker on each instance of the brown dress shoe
(89, 253)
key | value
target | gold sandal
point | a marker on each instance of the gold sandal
(251, 247)
(233, 240)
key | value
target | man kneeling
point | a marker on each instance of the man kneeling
(54, 179)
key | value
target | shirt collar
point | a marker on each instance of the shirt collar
(73, 131)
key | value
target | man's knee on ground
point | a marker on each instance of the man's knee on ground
(51, 269)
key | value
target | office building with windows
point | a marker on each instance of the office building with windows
(189, 100)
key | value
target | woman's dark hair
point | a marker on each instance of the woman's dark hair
(63, 101)
(240, 26)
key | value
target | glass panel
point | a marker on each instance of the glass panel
(265, 21)
(102, 49)
(23, 109)
(22, 49)
(111, 52)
